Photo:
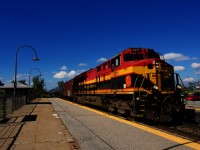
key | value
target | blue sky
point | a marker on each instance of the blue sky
(73, 36)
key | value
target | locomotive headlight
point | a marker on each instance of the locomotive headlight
(155, 87)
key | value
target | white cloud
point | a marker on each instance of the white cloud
(64, 74)
(188, 79)
(63, 68)
(80, 71)
(83, 64)
(195, 65)
(101, 59)
(23, 76)
(60, 75)
(197, 72)
(194, 58)
(71, 74)
(176, 57)
(49, 81)
(179, 68)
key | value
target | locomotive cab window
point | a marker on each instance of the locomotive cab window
(116, 61)
(131, 57)
(98, 68)
(106, 65)
(152, 54)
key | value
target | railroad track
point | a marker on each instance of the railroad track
(187, 130)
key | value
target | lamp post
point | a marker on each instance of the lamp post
(198, 71)
(30, 74)
(35, 59)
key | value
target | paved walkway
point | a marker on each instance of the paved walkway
(34, 127)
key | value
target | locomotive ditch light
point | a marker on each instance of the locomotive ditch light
(155, 87)
(179, 86)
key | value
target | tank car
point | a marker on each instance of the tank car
(136, 82)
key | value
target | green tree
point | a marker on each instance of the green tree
(60, 83)
(38, 86)
(22, 81)
(1, 83)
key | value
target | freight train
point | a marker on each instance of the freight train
(136, 82)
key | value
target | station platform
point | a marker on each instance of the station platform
(35, 126)
(51, 124)
(95, 129)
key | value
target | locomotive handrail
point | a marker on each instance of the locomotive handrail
(161, 56)
(135, 82)
(177, 78)
(156, 99)
(141, 86)
(134, 88)
(142, 82)
(167, 98)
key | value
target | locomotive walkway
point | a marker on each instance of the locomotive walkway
(35, 126)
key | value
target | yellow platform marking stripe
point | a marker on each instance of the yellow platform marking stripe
(192, 107)
(163, 134)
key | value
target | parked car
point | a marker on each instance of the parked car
(193, 96)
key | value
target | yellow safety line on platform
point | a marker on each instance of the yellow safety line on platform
(191, 107)
(163, 134)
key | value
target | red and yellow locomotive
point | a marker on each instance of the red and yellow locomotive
(136, 82)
